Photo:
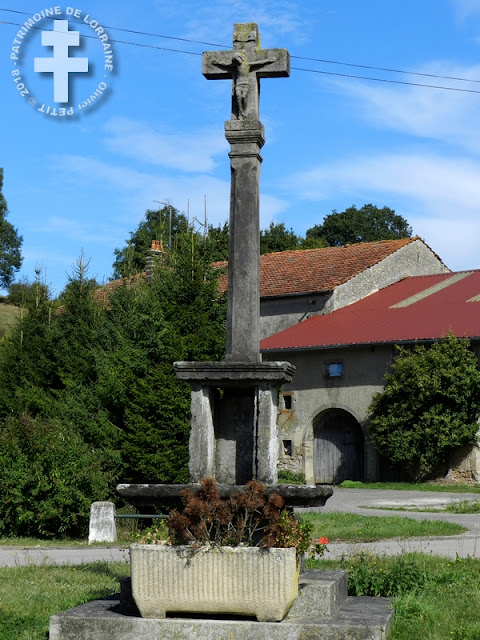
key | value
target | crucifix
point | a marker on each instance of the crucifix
(245, 65)
(234, 403)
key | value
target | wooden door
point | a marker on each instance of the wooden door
(338, 447)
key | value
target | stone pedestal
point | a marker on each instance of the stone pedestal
(234, 408)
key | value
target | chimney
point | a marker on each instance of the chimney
(155, 252)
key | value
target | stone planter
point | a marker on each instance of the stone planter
(249, 581)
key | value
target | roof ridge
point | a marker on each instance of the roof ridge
(343, 246)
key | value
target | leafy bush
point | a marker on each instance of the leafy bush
(428, 407)
(24, 292)
(49, 478)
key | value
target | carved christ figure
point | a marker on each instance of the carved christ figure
(241, 84)
(246, 85)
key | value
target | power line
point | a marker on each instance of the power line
(366, 66)
(136, 44)
(317, 71)
(412, 84)
(141, 33)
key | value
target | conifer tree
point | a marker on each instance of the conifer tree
(27, 364)
(179, 316)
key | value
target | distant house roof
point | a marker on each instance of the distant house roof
(419, 308)
(318, 270)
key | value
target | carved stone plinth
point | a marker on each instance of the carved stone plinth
(234, 406)
(168, 495)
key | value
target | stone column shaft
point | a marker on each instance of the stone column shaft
(202, 435)
(266, 450)
(246, 138)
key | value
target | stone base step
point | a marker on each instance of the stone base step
(320, 594)
(321, 612)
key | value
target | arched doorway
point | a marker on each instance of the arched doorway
(338, 447)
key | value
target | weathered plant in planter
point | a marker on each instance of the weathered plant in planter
(238, 555)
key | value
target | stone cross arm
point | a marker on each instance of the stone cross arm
(268, 63)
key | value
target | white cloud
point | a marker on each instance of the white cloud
(465, 8)
(423, 112)
(138, 190)
(438, 182)
(438, 196)
(212, 22)
(187, 152)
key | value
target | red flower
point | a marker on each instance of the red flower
(323, 541)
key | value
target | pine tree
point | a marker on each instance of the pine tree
(179, 316)
(27, 363)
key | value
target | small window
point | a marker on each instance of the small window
(288, 402)
(335, 370)
(287, 448)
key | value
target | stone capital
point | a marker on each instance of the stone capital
(235, 373)
(244, 132)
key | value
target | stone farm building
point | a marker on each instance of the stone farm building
(342, 356)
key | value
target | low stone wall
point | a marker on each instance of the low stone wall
(293, 463)
(465, 465)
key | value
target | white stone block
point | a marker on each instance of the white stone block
(102, 523)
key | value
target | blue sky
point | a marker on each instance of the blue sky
(83, 183)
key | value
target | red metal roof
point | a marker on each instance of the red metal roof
(416, 308)
(314, 270)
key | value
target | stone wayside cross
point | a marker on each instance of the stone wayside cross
(234, 405)
(245, 65)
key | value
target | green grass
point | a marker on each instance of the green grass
(8, 316)
(30, 595)
(410, 486)
(464, 506)
(350, 527)
(434, 598)
(290, 477)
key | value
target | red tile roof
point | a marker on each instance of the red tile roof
(315, 270)
(416, 308)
